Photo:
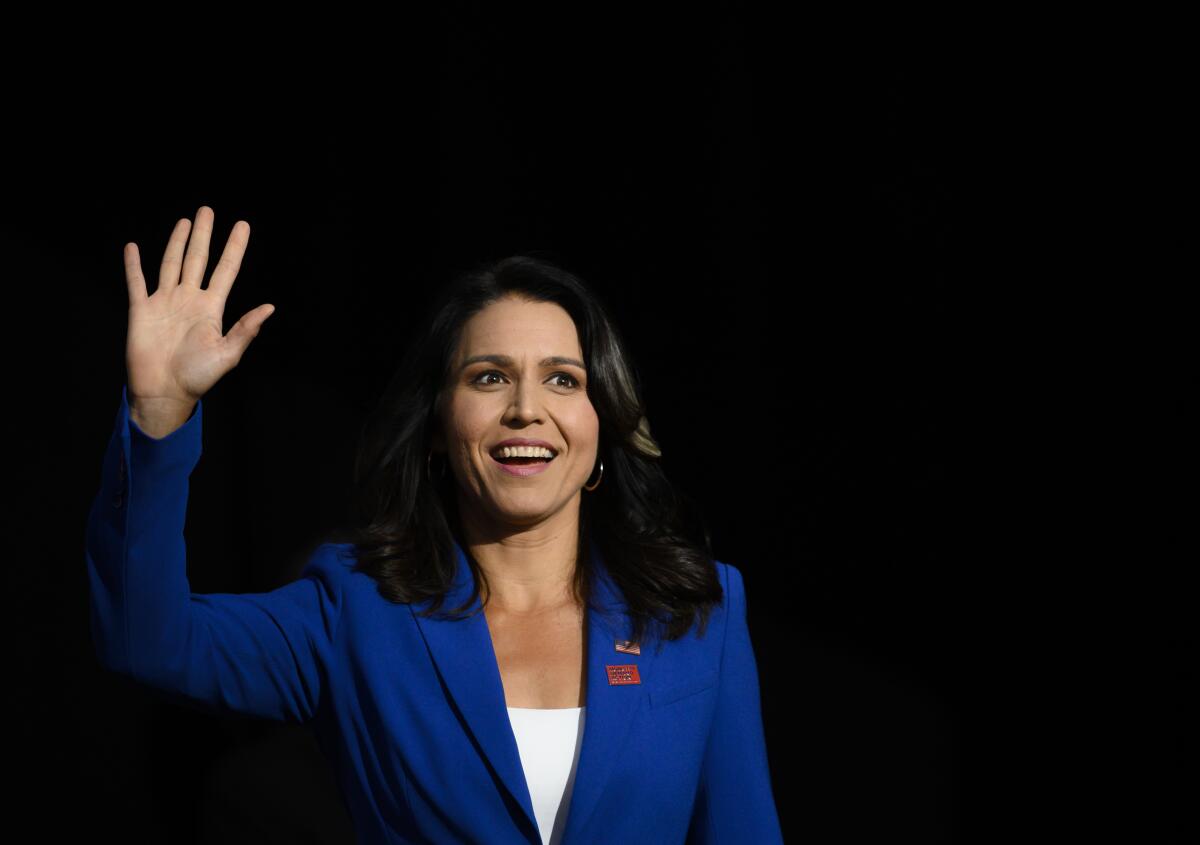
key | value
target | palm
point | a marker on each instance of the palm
(176, 349)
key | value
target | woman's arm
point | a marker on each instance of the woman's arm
(256, 654)
(734, 802)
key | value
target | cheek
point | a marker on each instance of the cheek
(465, 435)
(585, 435)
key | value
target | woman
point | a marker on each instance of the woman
(525, 638)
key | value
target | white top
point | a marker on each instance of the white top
(549, 742)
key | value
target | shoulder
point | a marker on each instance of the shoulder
(731, 582)
(332, 555)
(332, 562)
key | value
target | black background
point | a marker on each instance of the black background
(782, 233)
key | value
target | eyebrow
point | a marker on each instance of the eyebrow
(505, 361)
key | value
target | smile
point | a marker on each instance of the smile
(526, 466)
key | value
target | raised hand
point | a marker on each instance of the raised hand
(175, 349)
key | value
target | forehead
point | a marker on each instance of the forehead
(511, 326)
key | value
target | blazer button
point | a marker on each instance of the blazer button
(116, 500)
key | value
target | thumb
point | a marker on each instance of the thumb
(245, 330)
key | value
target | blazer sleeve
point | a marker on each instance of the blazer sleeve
(252, 654)
(734, 801)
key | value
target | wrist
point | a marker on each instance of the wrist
(159, 417)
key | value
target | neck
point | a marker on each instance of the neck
(529, 570)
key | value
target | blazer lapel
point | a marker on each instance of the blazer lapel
(463, 653)
(611, 708)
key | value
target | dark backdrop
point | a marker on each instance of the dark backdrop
(779, 233)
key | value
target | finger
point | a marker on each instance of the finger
(172, 261)
(231, 259)
(245, 330)
(196, 260)
(135, 282)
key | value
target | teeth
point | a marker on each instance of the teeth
(523, 452)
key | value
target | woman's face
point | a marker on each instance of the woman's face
(518, 373)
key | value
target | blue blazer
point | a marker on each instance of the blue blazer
(411, 711)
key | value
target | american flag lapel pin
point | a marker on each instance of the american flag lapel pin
(628, 647)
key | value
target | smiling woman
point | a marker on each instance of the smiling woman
(578, 580)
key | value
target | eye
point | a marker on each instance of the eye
(486, 373)
(574, 381)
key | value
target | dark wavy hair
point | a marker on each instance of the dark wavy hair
(404, 522)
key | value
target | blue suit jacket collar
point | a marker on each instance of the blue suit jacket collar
(463, 653)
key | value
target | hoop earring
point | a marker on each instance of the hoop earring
(428, 471)
(597, 484)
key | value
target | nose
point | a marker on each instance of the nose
(525, 405)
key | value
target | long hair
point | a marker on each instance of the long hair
(656, 548)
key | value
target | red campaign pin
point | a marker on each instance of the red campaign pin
(625, 674)
(629, 647)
